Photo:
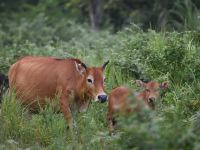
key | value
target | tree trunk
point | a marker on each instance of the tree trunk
(95, 12)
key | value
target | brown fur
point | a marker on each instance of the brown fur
(36, 78)
(118, 101)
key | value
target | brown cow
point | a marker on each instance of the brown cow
(120, 99)
(35, 79)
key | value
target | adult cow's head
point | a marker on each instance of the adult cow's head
(94, 81)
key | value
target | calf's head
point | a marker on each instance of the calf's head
(94, 81)
(151, 91)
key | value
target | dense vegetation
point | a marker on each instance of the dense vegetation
(155, 14)
(133, 54)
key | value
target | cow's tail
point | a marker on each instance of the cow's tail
(7, 81)
(12, 74)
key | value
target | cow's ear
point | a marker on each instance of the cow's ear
(81, 68)
(140, 83)
(105, 64)
(164, 85)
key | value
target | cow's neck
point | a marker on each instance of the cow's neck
(141, 96)
(83, 95)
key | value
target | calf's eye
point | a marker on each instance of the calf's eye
(147, 90)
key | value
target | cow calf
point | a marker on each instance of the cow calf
(120, 99)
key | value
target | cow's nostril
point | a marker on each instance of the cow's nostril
(102, 98)
(151, 99)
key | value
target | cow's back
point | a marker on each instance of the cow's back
(118, 98)
(37, 78)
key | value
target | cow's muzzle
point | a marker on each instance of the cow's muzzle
(151, 102)
(102, 98)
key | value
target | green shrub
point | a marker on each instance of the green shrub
(174, 56)
(133, 54)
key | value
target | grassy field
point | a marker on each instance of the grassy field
(133, 54)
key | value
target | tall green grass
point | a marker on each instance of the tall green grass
(133, 54)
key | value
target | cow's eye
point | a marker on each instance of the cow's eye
(89, 81)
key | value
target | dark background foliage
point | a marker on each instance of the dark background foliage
(143, 39)
(155, 14)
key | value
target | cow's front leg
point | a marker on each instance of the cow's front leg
(83, 107)
(65, 108)
(110, 123)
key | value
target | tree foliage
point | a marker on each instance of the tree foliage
(156, 14)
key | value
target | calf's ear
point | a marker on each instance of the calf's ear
(140, 83)
(81, 68)
(164, 85)
(105, 64)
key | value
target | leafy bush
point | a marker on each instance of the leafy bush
(133, 54)
(152, 55)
